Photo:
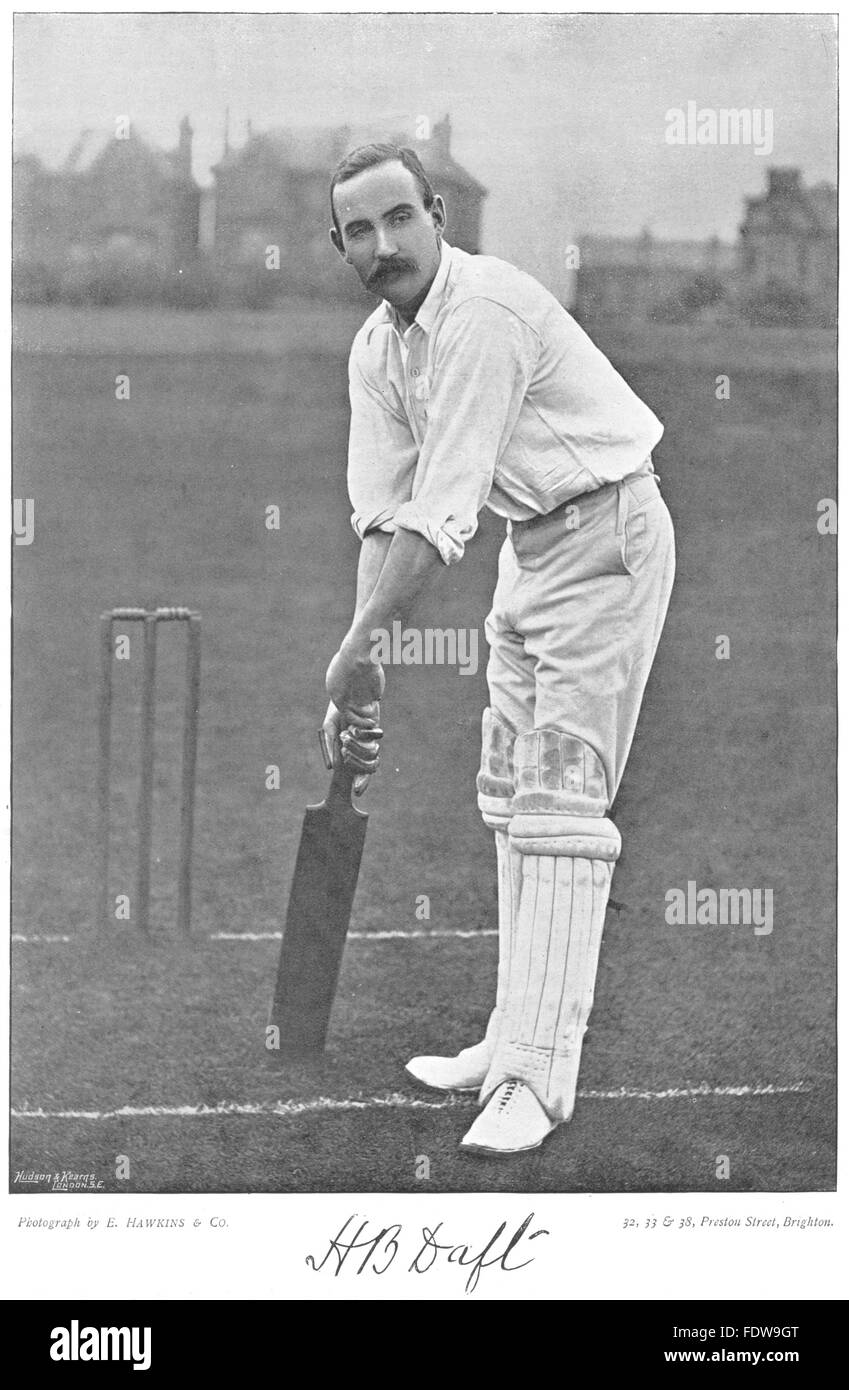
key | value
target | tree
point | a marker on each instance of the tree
(776, 305)
(682, 306)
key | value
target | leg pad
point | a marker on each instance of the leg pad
(557, 773)
(495, 779)
(566, 847)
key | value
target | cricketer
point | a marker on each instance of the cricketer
(471, 386)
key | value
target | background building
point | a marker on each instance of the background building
(631, 278)
(113, 193)
(121, 218)
(789, 236)
(785, 260)
(273, 191)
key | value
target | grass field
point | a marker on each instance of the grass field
(704, 1041)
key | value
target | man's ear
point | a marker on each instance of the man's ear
(337, 242)
(437, 212)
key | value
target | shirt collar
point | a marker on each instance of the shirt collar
(428, 310)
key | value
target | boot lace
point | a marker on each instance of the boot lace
(507, 1094)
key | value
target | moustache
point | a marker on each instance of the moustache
(392, 268)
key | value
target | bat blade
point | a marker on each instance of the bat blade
(320, 902)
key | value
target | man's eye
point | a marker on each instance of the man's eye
(400, 217)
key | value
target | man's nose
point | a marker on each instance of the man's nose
(386, 245)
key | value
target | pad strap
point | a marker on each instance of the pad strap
(581, 837)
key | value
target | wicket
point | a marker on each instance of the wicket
(140, 911)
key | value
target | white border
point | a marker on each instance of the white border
(260, 1253)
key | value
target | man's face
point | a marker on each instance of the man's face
(387, 234)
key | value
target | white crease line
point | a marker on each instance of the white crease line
(278, 936)
(41, 940)
(355, 935)
(694, 1092)
(225, 1108)
(394, 1101)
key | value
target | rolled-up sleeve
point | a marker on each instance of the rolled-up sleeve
(382, 455)
(484, 360)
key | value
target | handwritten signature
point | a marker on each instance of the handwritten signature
(382, 1249)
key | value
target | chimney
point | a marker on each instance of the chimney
(441, 137)
(184, 149)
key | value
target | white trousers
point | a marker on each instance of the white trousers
(576, 618)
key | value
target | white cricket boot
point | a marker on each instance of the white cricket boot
(465, 1072)
(512, 1122)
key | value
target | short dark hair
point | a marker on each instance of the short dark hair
(369, 157)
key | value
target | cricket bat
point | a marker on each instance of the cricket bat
(317, 918)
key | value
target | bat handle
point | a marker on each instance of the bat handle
(341, 784)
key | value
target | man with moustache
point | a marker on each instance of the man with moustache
(471, 386)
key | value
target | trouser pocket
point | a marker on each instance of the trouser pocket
(641, 523)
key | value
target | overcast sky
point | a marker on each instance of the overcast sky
(561, 117)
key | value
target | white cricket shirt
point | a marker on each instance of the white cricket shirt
(493, 397)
